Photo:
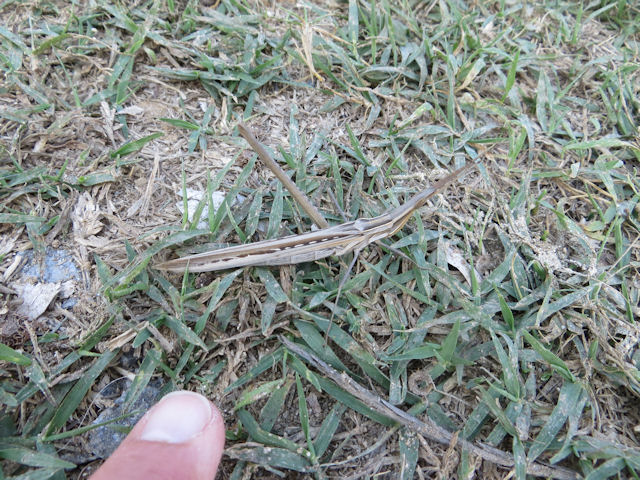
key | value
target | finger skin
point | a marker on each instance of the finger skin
(194, 459)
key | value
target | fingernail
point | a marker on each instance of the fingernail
(177, 418)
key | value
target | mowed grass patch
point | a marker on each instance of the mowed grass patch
(505, 311)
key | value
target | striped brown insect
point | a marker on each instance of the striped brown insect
(337, 240)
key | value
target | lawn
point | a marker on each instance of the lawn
(495, 334)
